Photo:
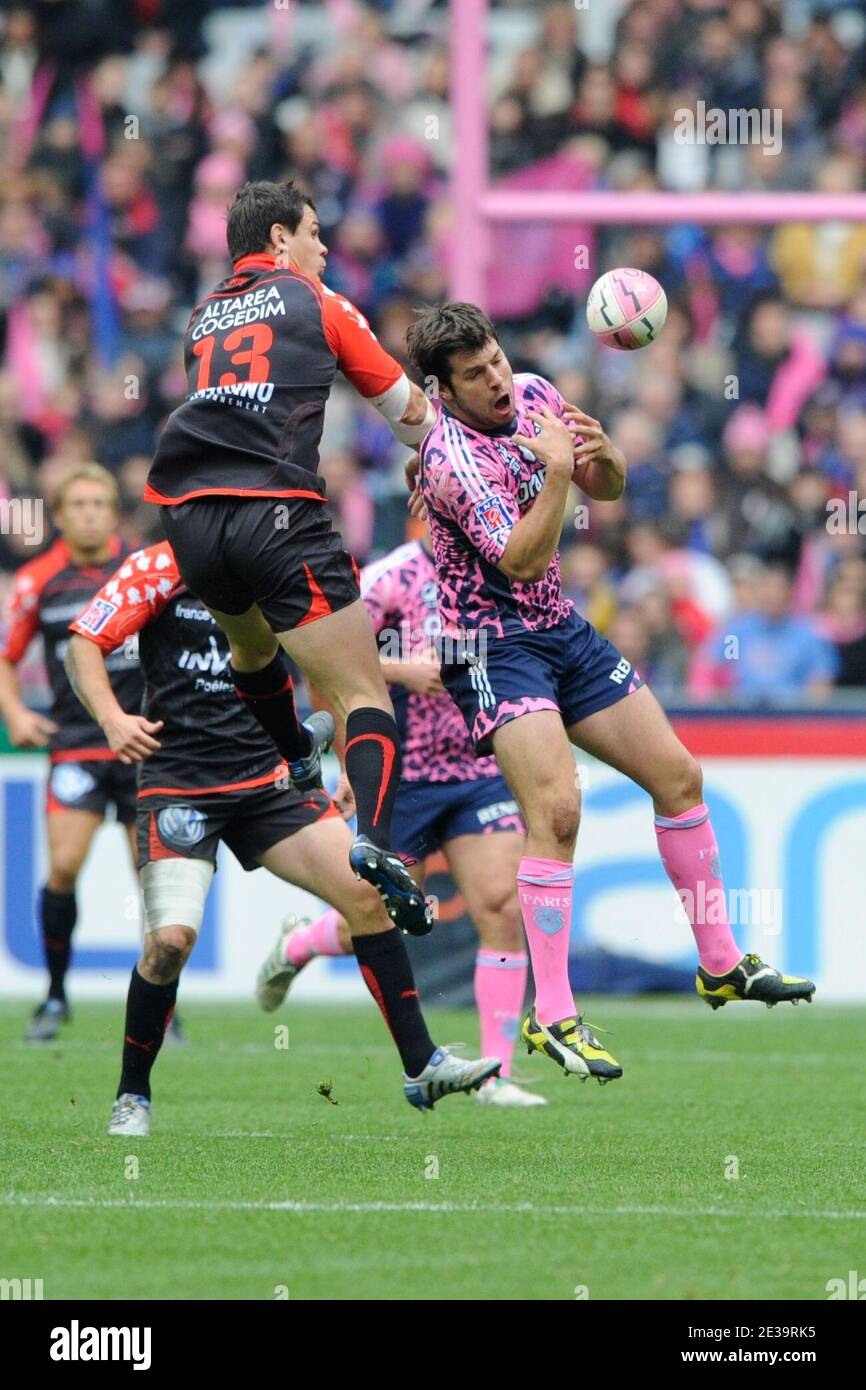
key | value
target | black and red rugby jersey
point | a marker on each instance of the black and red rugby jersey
(261, 353)
(49, 592)
(210, 741)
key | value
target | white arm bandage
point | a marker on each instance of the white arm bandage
(392, 405)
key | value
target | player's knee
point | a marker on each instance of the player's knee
(500, 926)
(166, 951)
(564, 819)
(684, 782)
(63, 875)
(254, 652)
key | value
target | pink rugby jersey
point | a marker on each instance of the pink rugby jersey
(476, 487)
(399, 592)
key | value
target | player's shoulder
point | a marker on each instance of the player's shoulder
(531, 388)
(159, 557)
(146, 576)
(32, 577)
(396, 562)
(234, 287)
(445, 435)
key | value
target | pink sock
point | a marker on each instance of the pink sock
(500, 987)
(544, 887)
(320, 938)
(690, 855)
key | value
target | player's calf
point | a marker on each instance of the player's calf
(268, 693)
(174, 892)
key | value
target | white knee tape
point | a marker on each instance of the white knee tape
(175, 892)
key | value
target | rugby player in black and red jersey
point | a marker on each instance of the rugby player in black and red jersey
(210, 773)
(235, 473)
(86, 776)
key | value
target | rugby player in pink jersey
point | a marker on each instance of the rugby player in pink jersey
(494, 476)
(447, 799)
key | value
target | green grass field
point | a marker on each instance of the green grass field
(252, 1180)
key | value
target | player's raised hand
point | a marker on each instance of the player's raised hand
(590, 440)
(421, 677)
(424, 677)
(131, 736)
(411, 469)
(28, 729)
(554, 446)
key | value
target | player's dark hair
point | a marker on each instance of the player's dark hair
(443, 330)
(257, 206)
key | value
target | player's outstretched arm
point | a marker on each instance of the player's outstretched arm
(533, 540)
(130, 736)
(374, 373)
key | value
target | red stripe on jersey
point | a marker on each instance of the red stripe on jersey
(155, 848)
(279, 771)
(319, 605)
(151, 494)
(84, 755)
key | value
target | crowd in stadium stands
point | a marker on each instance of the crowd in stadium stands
(127, 125)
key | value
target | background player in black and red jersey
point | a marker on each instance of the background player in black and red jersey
(235, 473)
(210, 773)
(86, 776)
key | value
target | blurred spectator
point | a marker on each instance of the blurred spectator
(126, 128)
(843, 622)
(820, 264)
(351, 503)
(767, 654)
(585, 582)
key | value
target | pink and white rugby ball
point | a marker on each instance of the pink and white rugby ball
(626, 309)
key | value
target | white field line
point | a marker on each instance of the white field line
(438, 1208)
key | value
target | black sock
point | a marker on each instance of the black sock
(148, 1013)
(270, 697)
(373, 768)
(387, 973)
(58, 912)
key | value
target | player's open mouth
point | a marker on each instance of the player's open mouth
(502, 404)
